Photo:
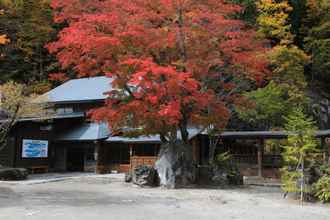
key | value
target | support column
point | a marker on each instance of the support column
(100, 158)
(130, 157)
(260, 156)
(324, 149)
(328, 153)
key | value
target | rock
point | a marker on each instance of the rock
(225, 176)
(220, 178)
(128, 177)
(13, 173)
(145, 175)
(174, 166)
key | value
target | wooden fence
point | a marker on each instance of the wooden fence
(142, 160)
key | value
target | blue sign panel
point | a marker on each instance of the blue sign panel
(34, 149)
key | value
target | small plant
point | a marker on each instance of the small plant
(223, 159)
(322, 188)
(224, 163)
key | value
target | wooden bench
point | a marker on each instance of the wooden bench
(39, 169)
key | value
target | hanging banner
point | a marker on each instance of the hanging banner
(34, 148)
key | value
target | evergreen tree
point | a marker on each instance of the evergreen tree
(317, 27)
(28, 24)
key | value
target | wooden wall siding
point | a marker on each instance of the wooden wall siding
(8, 153)
(124, 168)
(142, 160)
(116, 156)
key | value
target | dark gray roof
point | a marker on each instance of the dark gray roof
(151, 138)
(86, 132)
(99, 131)
(49, 117)
(142, 139)
(265, 134)
(323, 133)
(253, 134)
(80, 90)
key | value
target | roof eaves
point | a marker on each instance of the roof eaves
(77, 101)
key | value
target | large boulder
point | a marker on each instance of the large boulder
(13, 173)
(145, 175)
(174, 165)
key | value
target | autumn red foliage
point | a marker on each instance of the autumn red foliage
(161, 54)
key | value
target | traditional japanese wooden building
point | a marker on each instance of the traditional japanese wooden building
(68, 140)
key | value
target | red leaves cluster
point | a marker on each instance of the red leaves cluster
(157, 98)
(58, 77)
(160, 54)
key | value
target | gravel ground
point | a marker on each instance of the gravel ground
(89, 197)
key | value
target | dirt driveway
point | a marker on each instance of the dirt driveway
(99, 198)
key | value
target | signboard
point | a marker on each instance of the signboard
(34, 149)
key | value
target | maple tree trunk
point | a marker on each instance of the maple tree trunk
(175, 165)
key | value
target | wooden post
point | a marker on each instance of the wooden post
(260, 155)
(100, 158)
(130, 157)
(328, 152)
(97, 158)
(324, 149)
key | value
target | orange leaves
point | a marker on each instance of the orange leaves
(4, 39)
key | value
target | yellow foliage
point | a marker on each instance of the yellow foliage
(273, 20)
(14, 101)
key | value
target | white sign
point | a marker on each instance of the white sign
(34, 149)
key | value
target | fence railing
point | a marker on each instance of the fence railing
(267, 160)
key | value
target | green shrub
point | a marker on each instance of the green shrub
(322, 188)
(223, 159)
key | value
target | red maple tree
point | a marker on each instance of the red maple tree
(167, 58)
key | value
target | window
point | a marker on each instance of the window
(63, 111)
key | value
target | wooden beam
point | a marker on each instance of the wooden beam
(260, 156)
